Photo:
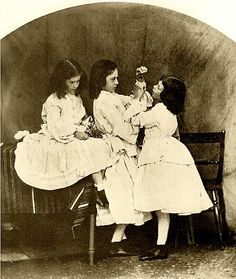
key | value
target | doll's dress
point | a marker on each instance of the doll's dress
(53, 158)
(167, 178)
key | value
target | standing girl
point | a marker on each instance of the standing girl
(167, 180)
(62, 153)
(109, 108)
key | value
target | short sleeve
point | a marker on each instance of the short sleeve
(149, 118)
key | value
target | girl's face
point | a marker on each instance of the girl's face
(156, 91)
(72, 84)
(112, 81)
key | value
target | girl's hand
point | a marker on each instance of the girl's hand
(81, 135)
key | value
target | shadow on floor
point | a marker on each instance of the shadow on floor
(50, 236)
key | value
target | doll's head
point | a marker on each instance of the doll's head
(172, 92)
(67, 75)
(103, 76)
(140, 77)
(140, 73)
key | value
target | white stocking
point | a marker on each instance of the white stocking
(119, 233)
(163, 227)
(98, 180)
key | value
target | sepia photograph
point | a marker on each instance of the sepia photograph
(118, 150)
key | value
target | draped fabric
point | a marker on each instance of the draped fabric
(19, 198)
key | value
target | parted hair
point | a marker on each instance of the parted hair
(66, 69)
(97, 81)
(173, 94)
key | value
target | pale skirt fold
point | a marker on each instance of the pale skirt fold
(171, 188)
(46, 164)
(119, 183)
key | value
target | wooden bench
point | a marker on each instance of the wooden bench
(19, 198)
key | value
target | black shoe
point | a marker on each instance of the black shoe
(117, 249)
(159, 252)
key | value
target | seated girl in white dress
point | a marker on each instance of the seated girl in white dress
(167, 180)
(62, 152)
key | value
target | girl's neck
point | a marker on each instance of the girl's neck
(156, 101)
(70, 93)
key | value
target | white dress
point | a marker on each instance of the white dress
(121, 137)
(167, 178)
(53, 158)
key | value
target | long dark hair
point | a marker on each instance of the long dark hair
(173, 94)
(97, 81)
(66, 69)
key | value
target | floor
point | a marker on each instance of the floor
(46, 249)
(187, 262)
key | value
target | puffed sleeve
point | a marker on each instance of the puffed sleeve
(110, 120)
(59, 126)
(149, 118)
(137, 106)
(125, 99)
(147, 98)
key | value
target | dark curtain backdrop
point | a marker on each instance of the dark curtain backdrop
(132, 35)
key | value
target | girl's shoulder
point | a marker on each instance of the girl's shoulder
(107, 99)
(78, 99)
(53, 97)
(160, 107)
(53, 100)
(163, 112)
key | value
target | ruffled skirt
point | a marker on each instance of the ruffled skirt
(44, 163)
(171, 188)
(119, 186)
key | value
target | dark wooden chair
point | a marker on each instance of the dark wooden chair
(207, 150)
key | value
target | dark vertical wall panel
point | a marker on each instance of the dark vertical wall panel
(23, 78)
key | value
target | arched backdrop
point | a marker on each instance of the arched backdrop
(132, 35)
